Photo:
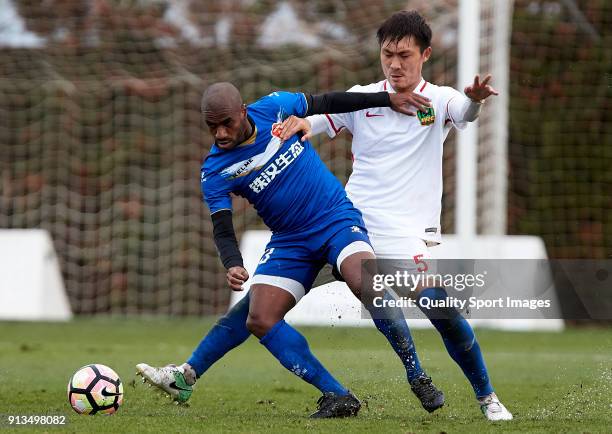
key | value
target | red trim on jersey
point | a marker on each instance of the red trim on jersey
(329, 119)
(447, 113)
(385, 85)
(423, 87)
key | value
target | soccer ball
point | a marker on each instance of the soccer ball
(95, 389)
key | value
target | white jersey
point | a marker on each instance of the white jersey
(397, 168)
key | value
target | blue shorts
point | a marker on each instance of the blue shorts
(292, 261)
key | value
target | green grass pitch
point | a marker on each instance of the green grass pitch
(552, 382)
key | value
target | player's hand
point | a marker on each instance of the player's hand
(236, 276)
(406, 103)
(480, 90)
(293, 125)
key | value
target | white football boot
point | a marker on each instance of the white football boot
(170, 379)
(493, 409)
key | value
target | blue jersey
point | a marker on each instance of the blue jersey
(288, 184)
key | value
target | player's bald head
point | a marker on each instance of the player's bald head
(222, 97)
(225, 115)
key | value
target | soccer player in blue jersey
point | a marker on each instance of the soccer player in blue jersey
(313, 223)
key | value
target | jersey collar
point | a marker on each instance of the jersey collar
(253, 136)
(419, 87)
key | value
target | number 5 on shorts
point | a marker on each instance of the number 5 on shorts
(418, 260)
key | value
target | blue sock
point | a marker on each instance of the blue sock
(460, 341)
(229, 332)
(391, 323)
(291, 349)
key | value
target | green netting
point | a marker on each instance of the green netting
(101, 140)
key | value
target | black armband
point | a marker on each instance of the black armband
(225, 239)
(344, 102)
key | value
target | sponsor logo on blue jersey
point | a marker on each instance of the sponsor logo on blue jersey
(281, 162)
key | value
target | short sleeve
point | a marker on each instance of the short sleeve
(337, 122)
(215, 191)
(290, 103)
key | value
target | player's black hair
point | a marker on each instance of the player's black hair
(402, 24)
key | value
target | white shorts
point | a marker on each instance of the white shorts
(386, 247)
(407, 253)
(402, 254)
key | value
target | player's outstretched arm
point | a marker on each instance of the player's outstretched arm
(468, 109)
(227, 245)
(345, 102)
(480, 90)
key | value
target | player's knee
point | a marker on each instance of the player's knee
(432, 293)
(355, 269)
(354, 282)
(259, 324)
(414, 292)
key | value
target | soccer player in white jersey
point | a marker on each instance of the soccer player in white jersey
(397, 174)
